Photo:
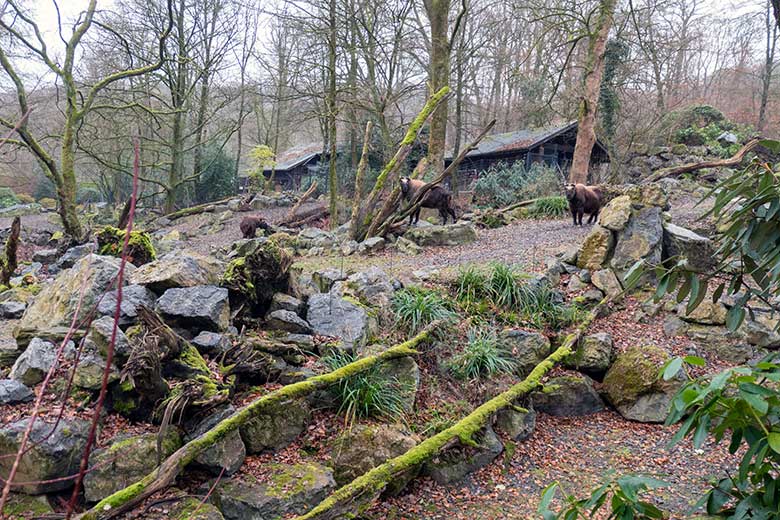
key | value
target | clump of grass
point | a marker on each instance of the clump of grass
(482, 356)
(415, 308)
(503, 286)
(548, 207)
(540, 306)
(367, 394)
(471, 286)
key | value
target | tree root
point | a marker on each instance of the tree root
(163, 476)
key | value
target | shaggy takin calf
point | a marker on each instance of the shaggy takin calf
(583, 199)
(437, 197)
(249, 225)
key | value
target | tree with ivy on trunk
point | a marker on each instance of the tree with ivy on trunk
(591, 87)
(80, 96)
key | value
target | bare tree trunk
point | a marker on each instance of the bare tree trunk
(331, 104)
(438, 76)
(769, 64)
(594, 69)
(178, 95)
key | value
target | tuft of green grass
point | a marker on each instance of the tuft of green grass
(471, 286)
(540, 306)
(548, 207)
(504, 290)
(415, 308)
(482, 356)
(367, 394)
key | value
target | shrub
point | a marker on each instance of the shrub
(503, 185)
(482, 356)
(218, 178)
(367, 394)
(415, 308)
(7, 198)
(48, 203)
(25, 199)
(546, 207)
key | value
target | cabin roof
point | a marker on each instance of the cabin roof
(295, 157)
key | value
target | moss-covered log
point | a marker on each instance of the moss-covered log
(200, 208)
(354, 498)
(125, 499)
(731, 162)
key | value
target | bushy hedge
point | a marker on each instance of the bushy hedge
(503, 185)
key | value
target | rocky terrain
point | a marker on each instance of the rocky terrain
(215, 323)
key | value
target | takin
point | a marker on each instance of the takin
(250, 224)
(437, 197)
(583, 199)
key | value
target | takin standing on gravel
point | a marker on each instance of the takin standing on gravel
(437, 197)
(583, 199)
(249, 225)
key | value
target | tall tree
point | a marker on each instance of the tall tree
(588, 104)
(769, 65)
(80, 96)
(331, 108)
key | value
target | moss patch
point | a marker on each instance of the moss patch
(140, 250)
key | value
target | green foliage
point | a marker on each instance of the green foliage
(7, 198)
(140, 250)
(708, 136)
(746, 208)
(615, 55)
(471, 286)
(503, 185)
(218, 178)
(741, 404)
(367, 394)
(24, 198)
(415, 308)
(88, 193)
(540, 306)
(548, 207)
(622, 495)
(261, 157)
(482, 356)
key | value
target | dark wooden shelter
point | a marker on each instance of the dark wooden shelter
(553, 145)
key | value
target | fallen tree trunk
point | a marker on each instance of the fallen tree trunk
(735, 160)
(8, 261)
(194, 210)
(354, 498)
(361, 170)
(163, 476)
(310, 215)
(304, 198)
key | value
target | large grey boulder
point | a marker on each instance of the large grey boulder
(191, 508)
(616, 213)
(325, 279)
(607, 281)
(288, 490)
(133, 296)
(125, 462)
(100, 334)
(456, 463)
(680, 242)
(211, 343)
(178, 269)
(202, 306)
(32, 366)
(761, 329)
(14, 392)
(285, 302)
(55, 453)
(634, 387)
(706, 313)
(364, 447)
(518, 425)
(226, 455)
(71, 256)
(56, 304)
(528, 348)
(12, 310)
(596, 249)
(452, 235)
(641, 239)
(287, 321)
(332, 315)
(373, 287)
(569, 395)
(276, 427)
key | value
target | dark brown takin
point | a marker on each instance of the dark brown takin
(250, 224)
(583, 199)
(437, 197)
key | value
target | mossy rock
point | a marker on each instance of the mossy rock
(596, 249)
(140, 250)
(634, 386)
(23, 507)
(256, 277)
(191, 508)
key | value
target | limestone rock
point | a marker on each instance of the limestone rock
(633, 384)
(326, 278)
(12, 310)
(454, 464)
(641, 239)
(763, 331)
(191, 508)
(607, 281)
(287, 321)
(518, 425)
(567, 396)
(125, 462)
(452, 235)
(290, 490)
(14, 392)
(211, 343)
(203, 306)
(227, 454)
(363, 447)
(56, 304)
(331, 315)
(699, 251)
(275, 428)
(707, 313)
(133, 296)
(616, 213)
(100, 334)
(373, 287)
(285, 302)
(371, 245)
(22, 507)
(56, 452)
(527, 348)
(407, 247)
(32, 366)
(71, 256)
(178, 269)
(594, 354)
(596, 249)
